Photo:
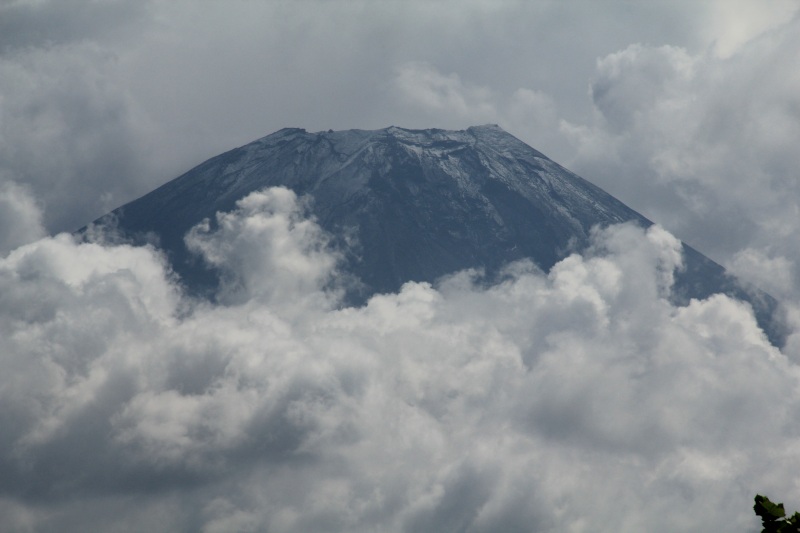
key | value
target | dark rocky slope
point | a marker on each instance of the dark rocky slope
(421, 204)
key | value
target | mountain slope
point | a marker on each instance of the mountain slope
(420, 204)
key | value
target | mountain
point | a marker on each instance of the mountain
(420, 204)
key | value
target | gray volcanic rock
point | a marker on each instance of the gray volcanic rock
(420, 204)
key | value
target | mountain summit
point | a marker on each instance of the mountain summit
(418, 204)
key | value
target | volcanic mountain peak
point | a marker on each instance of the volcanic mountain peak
(419, 204)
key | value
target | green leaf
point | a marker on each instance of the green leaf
(768, 510)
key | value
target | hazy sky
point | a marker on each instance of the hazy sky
(576, 401)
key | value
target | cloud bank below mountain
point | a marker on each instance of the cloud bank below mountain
(577, 400)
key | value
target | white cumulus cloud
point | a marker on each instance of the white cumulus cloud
(574, 400)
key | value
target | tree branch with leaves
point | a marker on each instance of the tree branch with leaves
(773, 516)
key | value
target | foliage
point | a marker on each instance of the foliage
(773, 516)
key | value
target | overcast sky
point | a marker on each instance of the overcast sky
(562, 402)
(685, 110)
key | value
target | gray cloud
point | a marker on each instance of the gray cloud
(576, 399)
(20, 217)
(702, 143)
(47, 22)
(69, 132)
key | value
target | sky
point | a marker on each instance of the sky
(571, 401)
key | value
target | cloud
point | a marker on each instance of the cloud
(30, 23)
(631, 81)
(449, 101)
(735, 23)
(775, 274)
(700, 143)
(20, 217)
(573, 400)
(293, 250)
(69, 133)
(422, 85)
